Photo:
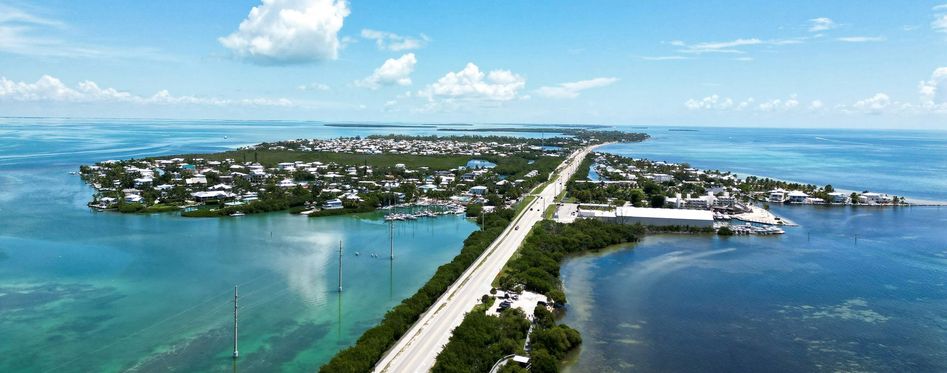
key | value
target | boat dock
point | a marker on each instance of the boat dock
(762, 216)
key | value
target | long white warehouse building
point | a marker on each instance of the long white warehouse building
(652, 216)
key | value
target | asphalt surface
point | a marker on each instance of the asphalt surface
(417, 349)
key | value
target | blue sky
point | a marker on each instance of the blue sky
(790, 64)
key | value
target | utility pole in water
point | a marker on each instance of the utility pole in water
(236, 353)
(340, 266)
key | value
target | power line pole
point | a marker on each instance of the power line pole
(340, 266)
(236, 353)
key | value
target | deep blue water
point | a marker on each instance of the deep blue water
(851, 289)
(84, 291)
(903, 163)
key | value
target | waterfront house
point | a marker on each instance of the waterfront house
(777, 196)
(205, 196)
(838, 197)
(797, 197)
(874, 198)
(332, 204)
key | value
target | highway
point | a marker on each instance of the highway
(417, 349)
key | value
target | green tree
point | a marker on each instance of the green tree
(657, 200)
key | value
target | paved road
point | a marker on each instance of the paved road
(417, 349)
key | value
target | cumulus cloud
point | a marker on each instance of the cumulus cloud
(821, 24)
(289, 32)
(712, 102)
(932, 100)
(471, 84)
(393, 71)
(779, 104)
(394, 42)
(572, 89)
(873, 105)
(51, 89)
(934, 90)
(719, 103)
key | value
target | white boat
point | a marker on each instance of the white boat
(238, 213)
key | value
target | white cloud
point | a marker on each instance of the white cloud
(731, 46)
(471, 84)
(719, 103)
(934, 91)
(874, 105)
(393, 71)
(712, 102)
(316, 86)
(821, 24)
(24, 32)
(289, 32)
(572, 89)
(394, 42)
(51, 89)
(940, 23)
(779, 104)
(861, 39)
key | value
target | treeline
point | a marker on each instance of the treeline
(550, 342)
(537, 266)
(476, 138)
(269, 204)
(576, 133)
(369, 348)
(480, 340)
(342, 211)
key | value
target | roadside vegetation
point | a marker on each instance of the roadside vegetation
(370, 347)
(482, 340)
(536, 267)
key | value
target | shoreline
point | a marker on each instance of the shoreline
(911, 201)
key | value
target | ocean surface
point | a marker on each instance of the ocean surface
(82, 291)
(902, 163)
(851, 289)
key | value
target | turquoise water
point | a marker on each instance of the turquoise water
(82, 291)
(851, 289)
(85, 291)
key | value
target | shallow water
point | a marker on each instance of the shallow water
(82, 291)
